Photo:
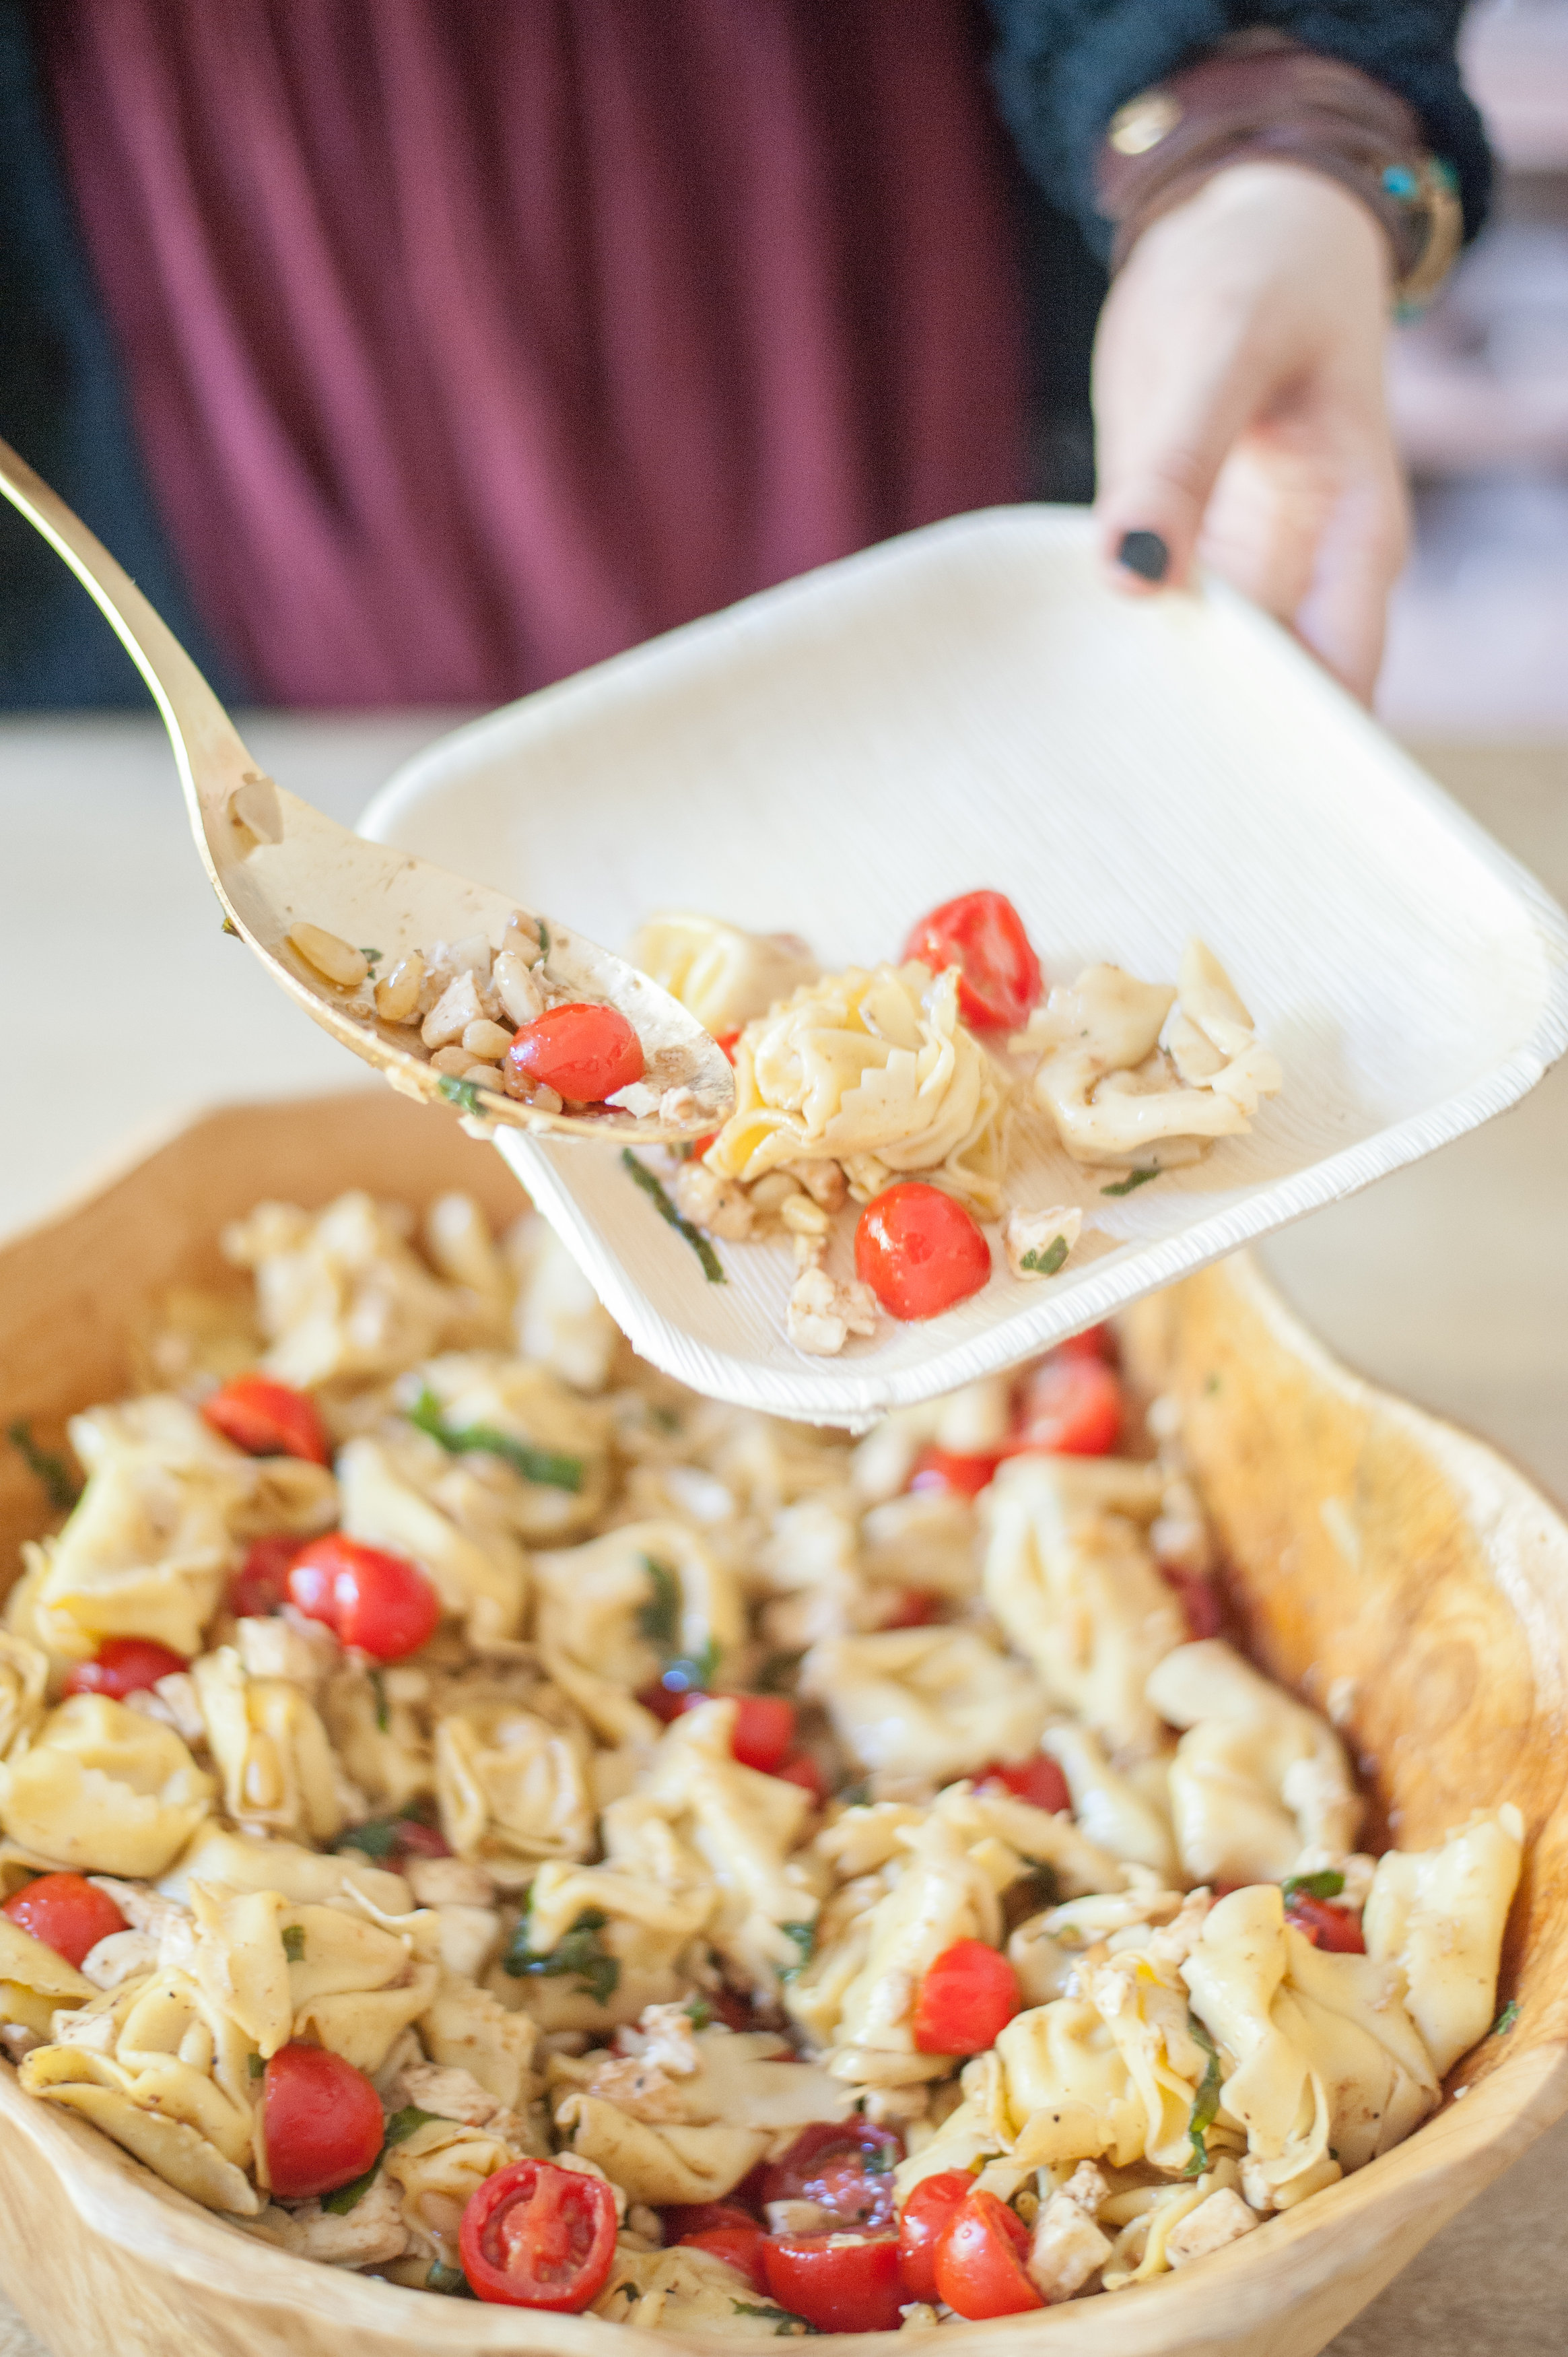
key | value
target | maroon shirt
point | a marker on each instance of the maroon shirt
(471, 340)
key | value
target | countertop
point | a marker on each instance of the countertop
(1448, 1281)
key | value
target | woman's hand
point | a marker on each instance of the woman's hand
(1240, 408)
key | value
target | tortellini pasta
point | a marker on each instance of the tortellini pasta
(931, 1702)
(512, 1787)
(723, 976)
(875, 1070)
(340, 1295)
(1439, 1914)
(614, 1614)
(401, 1493)
(279, 1772)
(103, 1789)
(481, 1392)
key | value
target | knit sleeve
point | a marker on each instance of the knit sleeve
(1063, 67)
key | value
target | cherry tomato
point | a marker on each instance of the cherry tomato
(1071, 1407)
(919, 1251)
(123, 1665)
(764, 1734)
(966, 1997)
(1093, 1343)
(1337, 1929)
(322, 2121)
(700, 1146)
(912, 1608)
(982, 934)
(268, 1419)
(945, 1469)
(925, 2214)
(535, 2236)
(846, 2166)
(1036, 1780)
(729, 1042)
(802, 1770)
(743, 2246)
(666, 1704)
(980, 2260)
(838, 2285)
(1200, 1599)
(414, 1840)
(684, 2219)
(66, 1913)
(260, 1584)
(377, 1602)
(581, 1052)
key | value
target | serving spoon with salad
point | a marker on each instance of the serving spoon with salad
(334, 918)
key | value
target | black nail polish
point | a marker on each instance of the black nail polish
(1145, 554)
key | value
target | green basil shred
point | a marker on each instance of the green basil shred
(348, 2196)
(461, 1094)
(550, 1468)
(580, 1953)
(1506, 2020)
(294, 1943)
(787, 2326)
(804, 1937)
(45, 1465)
(713, 1267)
(1206, 2102)
(1327, 1885)
(1134, 1178)
(1047, 1262)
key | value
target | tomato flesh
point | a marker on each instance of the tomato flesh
(846, 2166)
(65, 1913)
(268, 1419)
(919, 1251)
(1037, 1780)
(1071, 1407)
(684, 2219)
(980, 2260)
(536, 2235)
(744, 2247)
(1336, 1929)
(1202, 1606)
(125, 1665)
(260, 1584)
(377, 1602)
(1092, 1342)
(912, 1608)
(945, 1470)
(965, 1999)
(581, 1052)
(925, 2214)
(835, 2284)
(802, 1770)
(322, 2121)
(764, 1734)
(982, 934)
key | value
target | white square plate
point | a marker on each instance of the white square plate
(971, 706)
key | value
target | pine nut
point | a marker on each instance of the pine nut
(802, 1217)
(455, 1060)
(486, 1040)
(772, 1191)
(521, 937)
(329, 955)
(397, 998)
(485, 1076)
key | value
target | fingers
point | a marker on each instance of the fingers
(1156, 485)
(1343, 617)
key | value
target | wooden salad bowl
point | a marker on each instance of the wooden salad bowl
(1388, 1567)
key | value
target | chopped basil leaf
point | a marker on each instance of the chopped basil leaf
(402, 2125)
(461, 1094)
(776, 1672)
(1327, 1885)
(228, 926)
(544, 937)
(1047, 1262)
(666, 1419)
(294, 1943)
(450, 2280)
(713, 1267)
(876, 2160)
(857, 1795)
(1506, 2020)
(804, 1935)
(1206, 2102)
(384, 1708)
(787, 2326)
(371, 957)
(346, 2196)
(257, 2067)
(690, 1673)
(376, 1838)
(550, 1468)
(699, 2012)
(45, 1465)
(1134, 1178)
(580, 1953)
(659, 1619)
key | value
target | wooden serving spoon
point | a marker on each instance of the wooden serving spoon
(287, 877)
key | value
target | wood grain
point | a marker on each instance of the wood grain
(1379, 1559)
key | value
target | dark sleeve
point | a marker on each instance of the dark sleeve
(1063, 67)
(62, 406)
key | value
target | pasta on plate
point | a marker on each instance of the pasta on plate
(465, 1799)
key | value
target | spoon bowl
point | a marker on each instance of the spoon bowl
(282, 870)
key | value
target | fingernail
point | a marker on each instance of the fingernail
(1145, 554)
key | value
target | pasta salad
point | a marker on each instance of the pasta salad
(474, 1813)
(905, 1089)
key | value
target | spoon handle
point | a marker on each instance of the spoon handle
(207, 749)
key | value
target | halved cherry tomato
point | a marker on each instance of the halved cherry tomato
(965, 1999)
(912, 1608)
(377, 1602)
(729, 1042)
(837, 2284)
(535, 2236)
(846, 2166)
(919, 1251)
(322, 2121)
(700, 1146)
(763, 1733)
(1336, 1929)
(945, 1469)
(802, 1770)
(980, 2260)
(260, 1584)
(1036, 1780)
(982, 934)
(666, 1703)
(123, 1665)
(66, 1913)
(1093, 1343)
(683, 2219)
(743, 2246)
(925, 2214)
(1200, 1599)
(1071, 1407)
(268, 1419)
(581, 1052)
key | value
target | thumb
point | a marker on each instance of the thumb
(1157, 476)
